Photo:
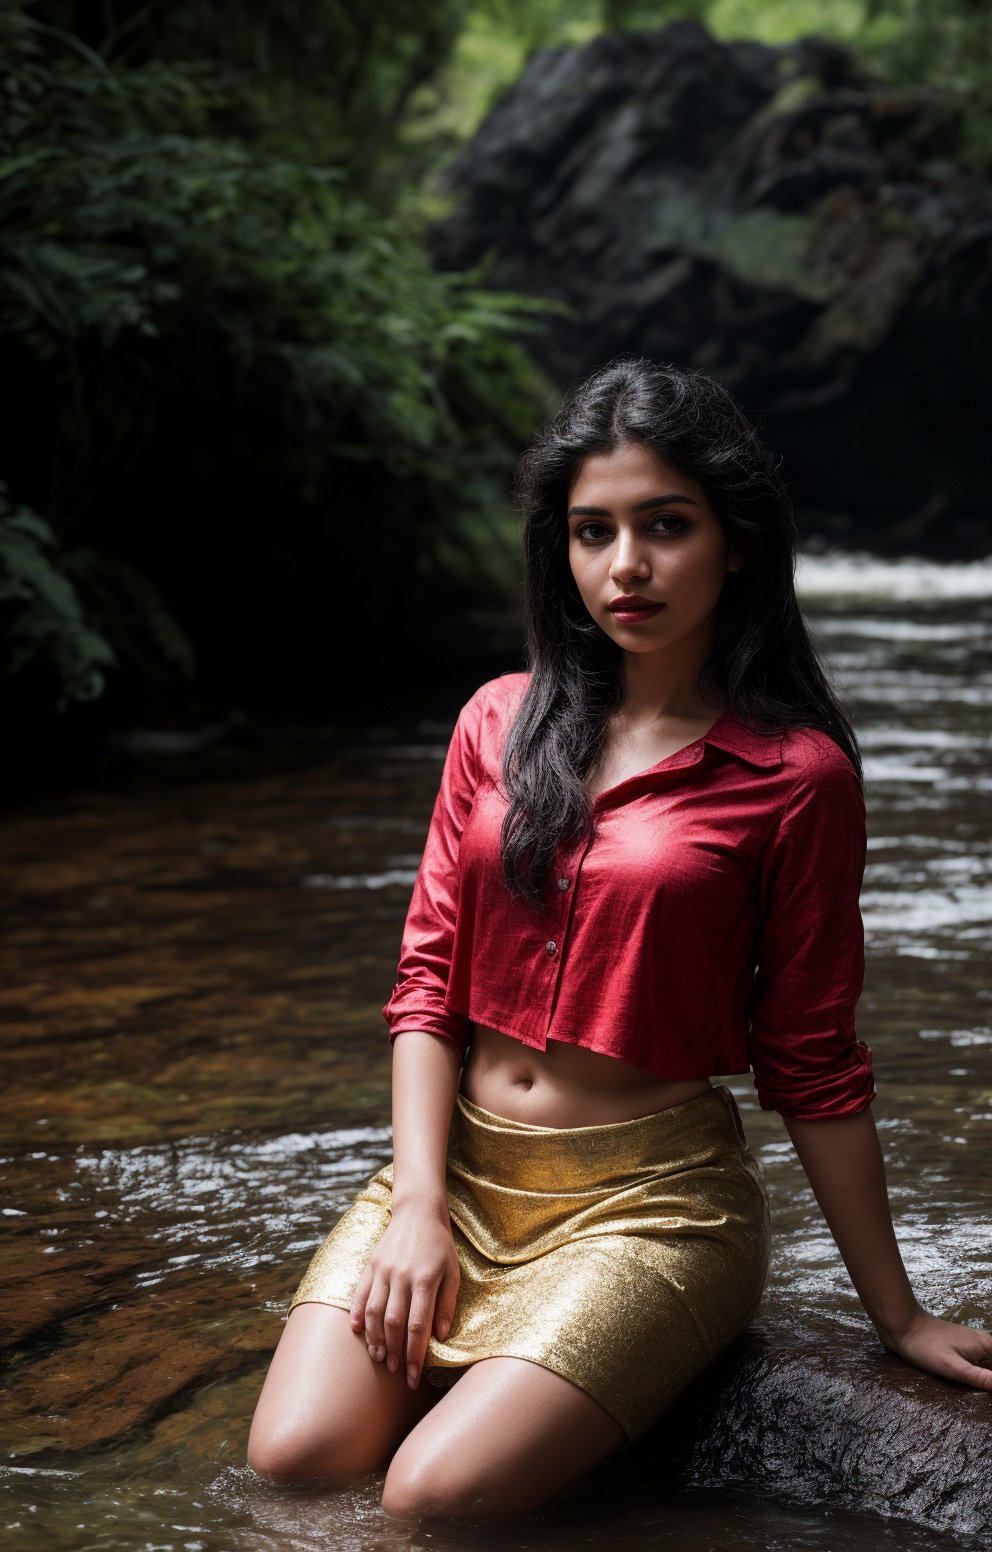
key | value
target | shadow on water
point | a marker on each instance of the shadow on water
(197, 1079)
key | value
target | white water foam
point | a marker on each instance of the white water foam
(837, 574)
(914, 631)
(391, 878)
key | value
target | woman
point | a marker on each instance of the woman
(642, 871)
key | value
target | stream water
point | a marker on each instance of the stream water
(197, 1079)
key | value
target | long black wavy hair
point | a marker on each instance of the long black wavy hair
(763, 663)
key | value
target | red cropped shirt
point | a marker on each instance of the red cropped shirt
(708, 923)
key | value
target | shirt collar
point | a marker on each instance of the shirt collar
(729, 734)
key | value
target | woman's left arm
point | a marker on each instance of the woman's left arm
(843, 1163)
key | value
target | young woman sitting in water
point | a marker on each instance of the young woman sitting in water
(642, 871)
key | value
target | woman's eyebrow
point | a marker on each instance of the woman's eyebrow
(642, 506)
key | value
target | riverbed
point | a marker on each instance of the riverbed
(195, 956)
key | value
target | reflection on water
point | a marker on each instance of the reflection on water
(198, 1079)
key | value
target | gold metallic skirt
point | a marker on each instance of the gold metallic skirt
(624, 1257)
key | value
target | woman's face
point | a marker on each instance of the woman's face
(640, 531)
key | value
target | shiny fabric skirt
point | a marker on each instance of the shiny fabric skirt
(624, 1257)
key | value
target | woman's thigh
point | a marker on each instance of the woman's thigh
(326, 1410)
(505, 1439)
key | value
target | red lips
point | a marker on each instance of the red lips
(632, 609)
(631, 601)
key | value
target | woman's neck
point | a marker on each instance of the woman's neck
(654, 690)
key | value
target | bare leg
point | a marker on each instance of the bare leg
(506, 1438)
(326, 1410)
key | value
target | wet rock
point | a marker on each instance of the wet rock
(116, 1368)
(772, 216)
(42, 1285)
(847, 1426)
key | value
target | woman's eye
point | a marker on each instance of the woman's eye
(590, 532)
(669, 523)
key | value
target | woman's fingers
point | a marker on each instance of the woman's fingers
(398, 1323)
(418, 1327)
(375, 1311)
(407, 1289)
(974, 1356)
(444, 1303)
(359, 1300)
(974, 1374)
(958, 1366)
(394, 1322)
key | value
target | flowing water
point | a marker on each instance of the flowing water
(197, 1079)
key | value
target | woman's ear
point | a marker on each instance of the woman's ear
(734, 561)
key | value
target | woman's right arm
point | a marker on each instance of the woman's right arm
(408, 1288)
(410, 1284)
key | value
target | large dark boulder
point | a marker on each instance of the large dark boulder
(847, 1425)
(777, 218)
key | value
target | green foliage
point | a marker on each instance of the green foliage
(294, 79)
(123, 230)
(942, 43)
(205, 321)
(43, 634)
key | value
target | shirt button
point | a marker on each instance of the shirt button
(551, 947)
(564, 883)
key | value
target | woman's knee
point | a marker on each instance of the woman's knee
(419, 1487)
(421, 1490)
(505, 1441)
(297, 1453)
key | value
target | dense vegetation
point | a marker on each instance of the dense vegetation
(257, 450)
(248, 413)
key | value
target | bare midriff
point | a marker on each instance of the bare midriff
(564, 1085)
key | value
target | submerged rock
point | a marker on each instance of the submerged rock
(772, 216)
(117, 1367)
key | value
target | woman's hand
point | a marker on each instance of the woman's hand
(411, 1281)
(408, 1289)
(942, 1347)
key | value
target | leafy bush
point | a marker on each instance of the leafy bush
(221, 347)
(42, 628)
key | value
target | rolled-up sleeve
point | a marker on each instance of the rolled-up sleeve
(417, 1001)
(808, 1062)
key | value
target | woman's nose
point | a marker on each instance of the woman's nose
(629, 560)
